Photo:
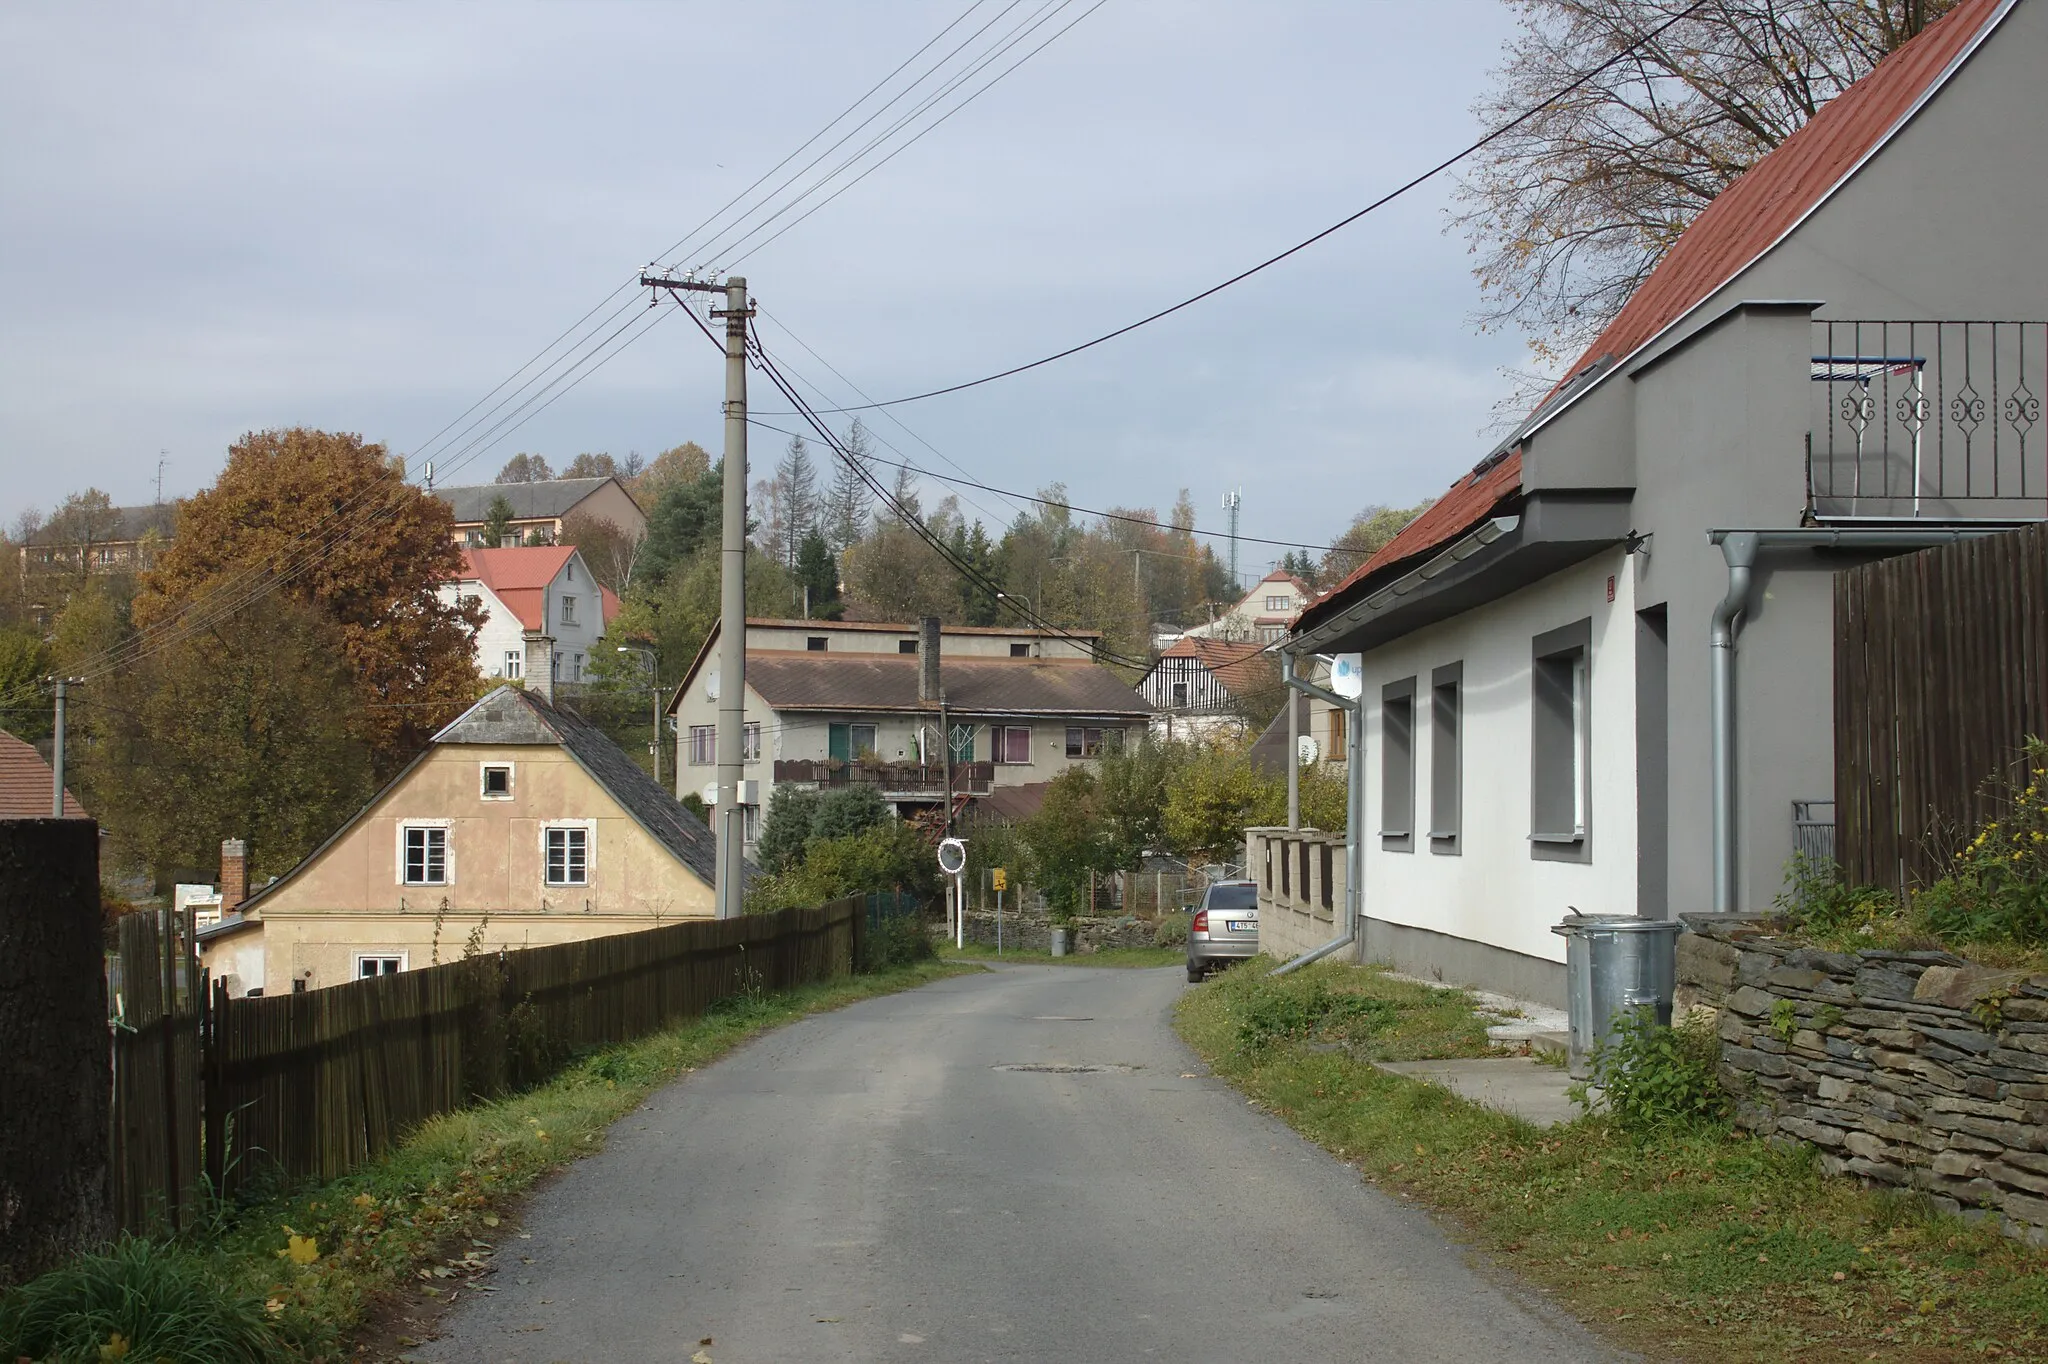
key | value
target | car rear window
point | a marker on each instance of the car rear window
(1233, 897)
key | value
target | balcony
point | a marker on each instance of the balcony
(897, 781)
(1927, 421)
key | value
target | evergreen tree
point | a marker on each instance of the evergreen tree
(845, 513)
(796, 481)
(817, 572)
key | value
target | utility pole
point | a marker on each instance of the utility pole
(729, 879)
(57, 751)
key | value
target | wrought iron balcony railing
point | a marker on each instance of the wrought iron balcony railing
(1928, 421)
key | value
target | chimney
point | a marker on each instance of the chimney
(539, 669)
(234, 874)
(928, 687)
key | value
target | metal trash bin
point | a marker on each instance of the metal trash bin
(1060, 941)
(1614, 962)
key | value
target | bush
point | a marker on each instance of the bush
(1996, 887)
(897, 940)
(141, 1300)
(1172, 930)
(885, 856)
(1816, 899)
(1657, 1078)
(1298, 1007)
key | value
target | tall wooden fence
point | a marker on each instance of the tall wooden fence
(310, 1085)
(1941, 674)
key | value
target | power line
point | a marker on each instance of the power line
(1439, 168)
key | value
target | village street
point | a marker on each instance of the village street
(890, 1182)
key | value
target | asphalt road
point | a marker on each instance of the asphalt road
(886, 1183)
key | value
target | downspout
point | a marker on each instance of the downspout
(1293, 742)
(1354, 814)
(1739, 549)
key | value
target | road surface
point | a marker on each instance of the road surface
(922, 1177)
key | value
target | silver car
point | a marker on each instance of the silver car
(1225, 927)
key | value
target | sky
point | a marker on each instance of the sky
(221, 218)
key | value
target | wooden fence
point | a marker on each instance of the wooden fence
(310, 1085)
(1941, 674)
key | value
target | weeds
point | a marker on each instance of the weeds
(1656, 1078)
(142, 1300)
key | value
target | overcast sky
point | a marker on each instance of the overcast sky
(220, 218)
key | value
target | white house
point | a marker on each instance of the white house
(544, 588)
(1598, 672)
(1263, 614)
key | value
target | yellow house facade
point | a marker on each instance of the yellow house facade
(521, 826)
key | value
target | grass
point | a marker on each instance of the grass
(1696, 1245)
(314, 1261)
(1111, 956)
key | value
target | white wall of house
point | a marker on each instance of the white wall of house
(1494, 889)
(578, 629)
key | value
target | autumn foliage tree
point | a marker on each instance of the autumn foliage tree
(329, 522)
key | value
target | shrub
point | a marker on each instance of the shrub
(897, 940)
(141, 1300)
(1172, 930)
(1657, 1078)
(1299, 1007)
(1816, 900)
(1996, 888)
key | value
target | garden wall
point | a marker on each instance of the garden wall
(1912, 1069)
(1031, 931)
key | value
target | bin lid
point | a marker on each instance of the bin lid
(1613, 923)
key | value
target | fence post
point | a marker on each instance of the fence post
(54, 1068)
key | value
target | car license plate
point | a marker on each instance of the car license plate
(1242, 925)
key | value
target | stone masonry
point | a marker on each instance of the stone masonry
(1029, 931)
(1915, 1070)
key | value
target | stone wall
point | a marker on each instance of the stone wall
(1915, 1070)
(1029, 931)
(1300, 875)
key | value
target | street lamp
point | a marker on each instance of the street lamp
(654, 690)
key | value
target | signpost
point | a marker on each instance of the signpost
(1000, 881)
(953, 861)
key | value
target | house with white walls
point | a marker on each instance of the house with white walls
(541, 588)
(1261, 614)
(1598, 673)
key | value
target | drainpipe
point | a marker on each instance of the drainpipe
(1354, 815)
(1739, 548)
(1293, 742)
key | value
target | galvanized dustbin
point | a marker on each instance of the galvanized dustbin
(1614, 962)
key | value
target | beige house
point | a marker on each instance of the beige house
(538, 509)
(522, 825)
(833, 703)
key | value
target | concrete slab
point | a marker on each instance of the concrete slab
(1512, 1020)
(1526, 1088)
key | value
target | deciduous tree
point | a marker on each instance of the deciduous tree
(612, 551)
(525, 468)
(587, 465)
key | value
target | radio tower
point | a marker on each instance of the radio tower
(1231, 501)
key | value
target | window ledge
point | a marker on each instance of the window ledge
(1397, 833)
(1441, 836)
(1579, 837)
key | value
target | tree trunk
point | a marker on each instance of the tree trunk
(54, 1068)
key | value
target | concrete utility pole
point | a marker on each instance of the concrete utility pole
(730, 871)
(57, 751)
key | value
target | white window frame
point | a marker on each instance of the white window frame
(568, 610)
(750, 741)
(483, 780)
(405, 827)
(586, 827)
(402, 957)
(707, 736)
(1001, 746)
(515, 664)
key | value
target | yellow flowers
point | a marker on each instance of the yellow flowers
(300, 1250)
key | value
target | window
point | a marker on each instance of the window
(1277, 603)
(1560, 747)
(906, 646)
(576, 669)
(1337, 751)
(1397, 766)
(847, 742)
(568, 610)
(389, 965)
(497, 781)
(1180, 693)
(1012, 744)
(426, 854)
(1446, 761)
(569, 571)
(703, 745)
(815, 643)
(568, 855)
(961, 741)
(750, 741)
(1020, 650)
(515, 662)
(1084, 743)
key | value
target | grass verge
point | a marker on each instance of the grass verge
(1110, 956)
(295, 1273)
(1697, 1245)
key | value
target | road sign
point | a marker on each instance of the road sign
(952, 856)
(998, 880)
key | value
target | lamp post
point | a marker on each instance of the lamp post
(654, 690)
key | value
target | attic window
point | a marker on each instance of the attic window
(815, 643)
(497, 781)
(906, 646)
(1020, 650)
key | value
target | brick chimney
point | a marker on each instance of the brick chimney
(928, 684)
(234, 874)
(539, 668)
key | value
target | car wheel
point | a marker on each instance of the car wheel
(1195, 973)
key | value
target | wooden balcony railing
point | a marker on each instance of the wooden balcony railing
(922, 779)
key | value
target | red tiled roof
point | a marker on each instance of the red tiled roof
(1236, 663)
(519, 577)
(1730, 234)
(25, 783)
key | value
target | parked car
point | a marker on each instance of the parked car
(1225, 927)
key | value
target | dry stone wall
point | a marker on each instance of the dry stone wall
(1027, 931)
(1915, 1070)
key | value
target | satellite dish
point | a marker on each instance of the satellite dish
(1307, 750)
(1347, 676)
(711, 687)
(952, 856)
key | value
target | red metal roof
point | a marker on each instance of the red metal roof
(519, 577)
(1738, 227)
(25, 783)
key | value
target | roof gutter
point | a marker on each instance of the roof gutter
(1461, 549)
(1739, 549)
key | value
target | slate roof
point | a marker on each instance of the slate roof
(25, 783)
(1731, 234)
(789, 680)
(554, 497)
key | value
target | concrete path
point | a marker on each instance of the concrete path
(1021, 1165)
(1527, 1088)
